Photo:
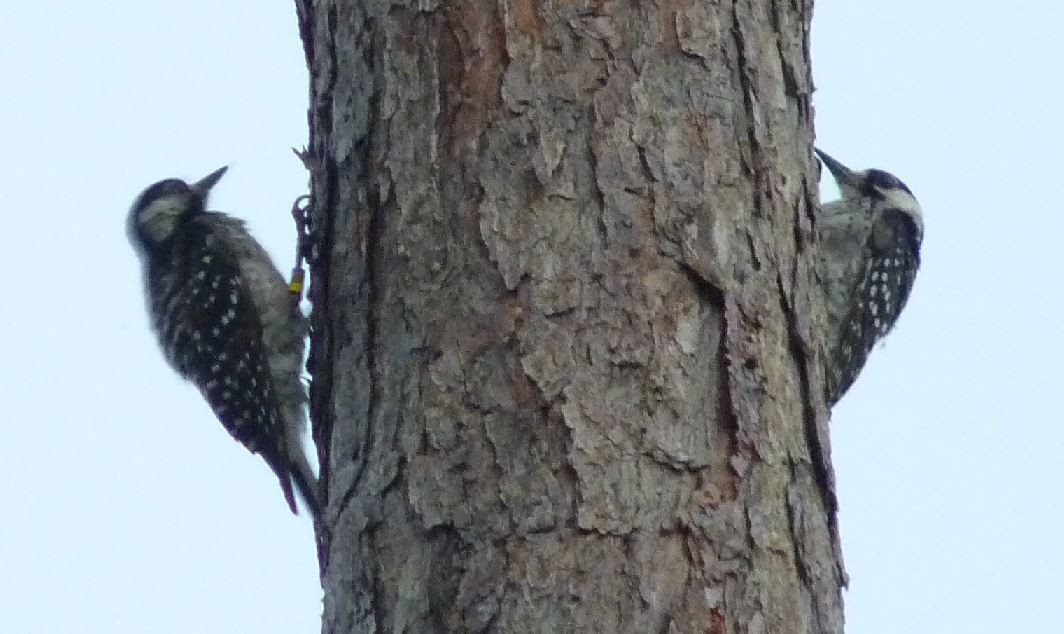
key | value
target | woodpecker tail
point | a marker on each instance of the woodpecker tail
(293, 468)
(279, 466)
(286, 486)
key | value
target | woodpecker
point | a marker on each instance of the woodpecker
(225, 320)
(870, 252)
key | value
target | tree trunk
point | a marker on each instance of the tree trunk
(566, 350)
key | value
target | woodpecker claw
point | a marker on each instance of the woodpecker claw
(299, 212)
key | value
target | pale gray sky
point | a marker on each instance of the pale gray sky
(947, 450)
(129, 509)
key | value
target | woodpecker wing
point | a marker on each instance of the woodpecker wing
(218, 345)
(882, 290)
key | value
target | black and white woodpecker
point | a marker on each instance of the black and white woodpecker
(870, 251)
(226, 321)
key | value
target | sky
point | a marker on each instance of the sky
(130, 510)
(948, 449)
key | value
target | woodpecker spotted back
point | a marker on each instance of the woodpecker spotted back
(223, 316)
(870, 252)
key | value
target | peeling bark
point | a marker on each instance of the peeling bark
(567, 375)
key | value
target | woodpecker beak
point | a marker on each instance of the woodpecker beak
(843, 175)
(205, 184)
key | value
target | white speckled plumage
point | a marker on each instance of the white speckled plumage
(284, 329)
(870, 252)
(225, 320)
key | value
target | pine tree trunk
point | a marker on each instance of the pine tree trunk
(566, 369)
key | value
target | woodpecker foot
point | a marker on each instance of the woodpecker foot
(300, 209)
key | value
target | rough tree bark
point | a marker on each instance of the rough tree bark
(566, 366)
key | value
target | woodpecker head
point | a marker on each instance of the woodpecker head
(874, 190)
(159, 209)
